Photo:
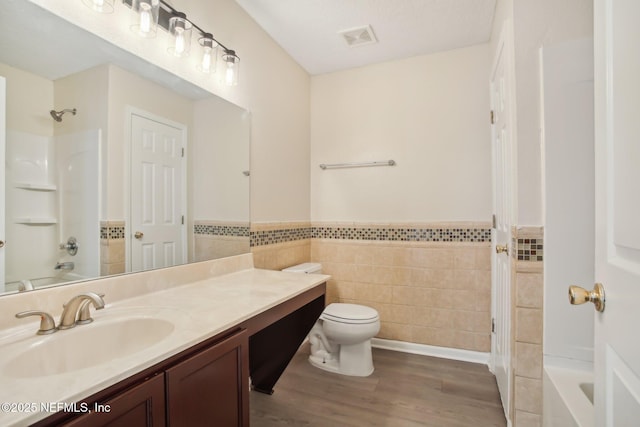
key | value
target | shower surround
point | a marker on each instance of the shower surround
(53, 193)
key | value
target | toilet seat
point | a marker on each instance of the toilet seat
(349, 313)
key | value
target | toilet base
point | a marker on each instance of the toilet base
(330, 365)
(356, 360)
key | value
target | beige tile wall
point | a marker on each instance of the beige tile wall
(112, 252)
(219, 239)
(435, 293)
(281, 255)
(527, 327)
(213, 247)
(431, 293)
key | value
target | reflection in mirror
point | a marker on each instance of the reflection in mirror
(116, 167)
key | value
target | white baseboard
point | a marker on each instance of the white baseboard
(431, 350)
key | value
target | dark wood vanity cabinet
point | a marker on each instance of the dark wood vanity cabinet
(205, 387)
(142, 405)
(208, 384)
(212, 387)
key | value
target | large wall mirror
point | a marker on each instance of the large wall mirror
(112, 165)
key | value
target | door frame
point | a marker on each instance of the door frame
(3, 133)
(130, 111)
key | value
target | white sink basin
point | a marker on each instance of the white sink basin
(87, 346)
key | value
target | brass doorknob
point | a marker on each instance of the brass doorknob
(138, 234)
(578, 295)
(1, 243)
(502, 249)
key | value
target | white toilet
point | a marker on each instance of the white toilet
(341, 338)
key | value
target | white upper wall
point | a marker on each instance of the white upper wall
(29, 100)
(219, 156)
(429, 114)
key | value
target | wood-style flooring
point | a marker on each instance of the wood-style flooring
(405, 390)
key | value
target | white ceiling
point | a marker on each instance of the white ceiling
(308, 29)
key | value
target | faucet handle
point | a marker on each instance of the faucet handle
(84, 315)
(47, 324)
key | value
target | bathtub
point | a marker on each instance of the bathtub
(568, 393)
(45, 281)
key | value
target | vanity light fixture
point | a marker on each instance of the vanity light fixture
(209, 53)
(144, 17)
(100, 6)
(148, 15)
(180, 30)
(232, 67)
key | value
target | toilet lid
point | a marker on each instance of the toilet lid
(349, 313)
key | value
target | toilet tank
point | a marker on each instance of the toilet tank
(307, 267)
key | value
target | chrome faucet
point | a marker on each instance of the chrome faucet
(64, 266)
(71, 308)
(84, 315)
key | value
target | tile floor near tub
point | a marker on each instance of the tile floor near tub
(405, 390)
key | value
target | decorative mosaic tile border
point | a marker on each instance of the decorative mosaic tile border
(221, 230)
(404, 234)
(112, 232)
(530, 249)
(269, 237)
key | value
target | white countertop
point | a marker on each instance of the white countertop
(199, 310)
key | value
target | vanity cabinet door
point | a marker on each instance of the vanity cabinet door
(140, 406)
(211, 388)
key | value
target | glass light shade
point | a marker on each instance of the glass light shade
(180, 30)
(231, 67)
(144, 17)
(209, 54)
(100, 6)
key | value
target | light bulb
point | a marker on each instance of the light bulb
(230, 74)
(145, 18)
(232, 64)
(100, 6)
(180, 44)
(206, 60)
(180, 30)
(209, 53)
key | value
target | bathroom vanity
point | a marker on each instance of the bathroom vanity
(223, 330)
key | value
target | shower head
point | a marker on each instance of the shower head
(57, 115)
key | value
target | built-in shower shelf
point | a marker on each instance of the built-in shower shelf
(36, 186)
(36, 220)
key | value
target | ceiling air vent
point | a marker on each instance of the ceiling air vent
(358, 36)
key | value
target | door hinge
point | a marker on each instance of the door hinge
(493, 325)
(182, 219)
(493, 221)
(182, 151)
(492, 117)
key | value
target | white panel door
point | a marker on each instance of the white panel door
(3, 132)
(617, 118)
(157, 194)
(501, 239)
